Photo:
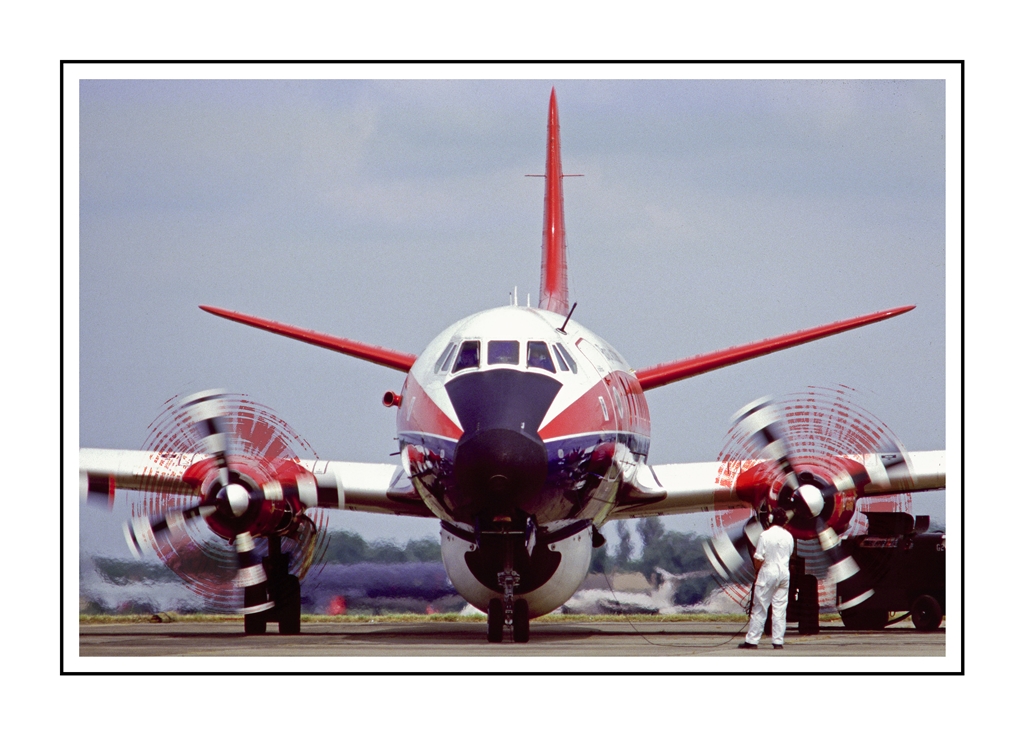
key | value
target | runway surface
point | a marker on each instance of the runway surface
(567, 640)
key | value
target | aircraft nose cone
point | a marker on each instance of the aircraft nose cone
(498, 470)
(500, 461)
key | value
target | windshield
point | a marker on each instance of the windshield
(502, 352)
(469, 356)
(537, 356)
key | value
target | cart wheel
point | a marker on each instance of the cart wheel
(926, 612)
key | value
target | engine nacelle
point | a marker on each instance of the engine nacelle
(260, 498)
(837, 483)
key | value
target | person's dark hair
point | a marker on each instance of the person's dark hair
(779, 517)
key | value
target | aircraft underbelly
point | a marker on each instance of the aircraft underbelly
(549, 575)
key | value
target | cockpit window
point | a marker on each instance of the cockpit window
(561, 360)
(448, 360)
(469, 356)
(537, 356)
(445, 359)
(502, 352)
(560, 349)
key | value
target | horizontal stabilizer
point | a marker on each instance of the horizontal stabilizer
(670, 372)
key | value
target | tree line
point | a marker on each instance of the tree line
(670, 550)
(655, 547)
(348, 547)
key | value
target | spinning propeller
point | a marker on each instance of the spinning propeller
(246, 515)
(810, 456)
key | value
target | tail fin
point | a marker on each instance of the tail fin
(554, 283)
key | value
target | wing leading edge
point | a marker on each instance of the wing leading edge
(360, 486)
(695, 486)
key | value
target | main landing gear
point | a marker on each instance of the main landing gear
(282, 589)
(508, 612)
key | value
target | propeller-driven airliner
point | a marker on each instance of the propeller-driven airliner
(523, 433)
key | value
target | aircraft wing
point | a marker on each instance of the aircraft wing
(706, 486)
(362, 486)
(666, 489)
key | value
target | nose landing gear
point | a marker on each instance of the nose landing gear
(520, 621)
(508, 612)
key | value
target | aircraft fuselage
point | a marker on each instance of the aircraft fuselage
(509, 426)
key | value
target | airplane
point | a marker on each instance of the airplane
(523, 433)
(657, 601)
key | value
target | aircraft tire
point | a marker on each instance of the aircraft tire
(520, 621)
(289, 606)
(495, 621)
(808, 620)
(255, 624)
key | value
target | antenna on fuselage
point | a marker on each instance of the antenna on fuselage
(567, 318)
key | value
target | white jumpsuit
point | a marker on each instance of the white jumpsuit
(774, 548)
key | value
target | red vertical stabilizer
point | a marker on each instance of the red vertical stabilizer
(554, 284)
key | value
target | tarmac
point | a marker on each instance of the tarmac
(634, 645)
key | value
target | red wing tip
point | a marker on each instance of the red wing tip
(229, 314)
(885, 314)
(217, 311)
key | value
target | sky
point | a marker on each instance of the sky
(710, 213)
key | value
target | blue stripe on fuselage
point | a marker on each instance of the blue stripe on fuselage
(569, 478)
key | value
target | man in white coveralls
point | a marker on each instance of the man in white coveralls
(771, 570)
